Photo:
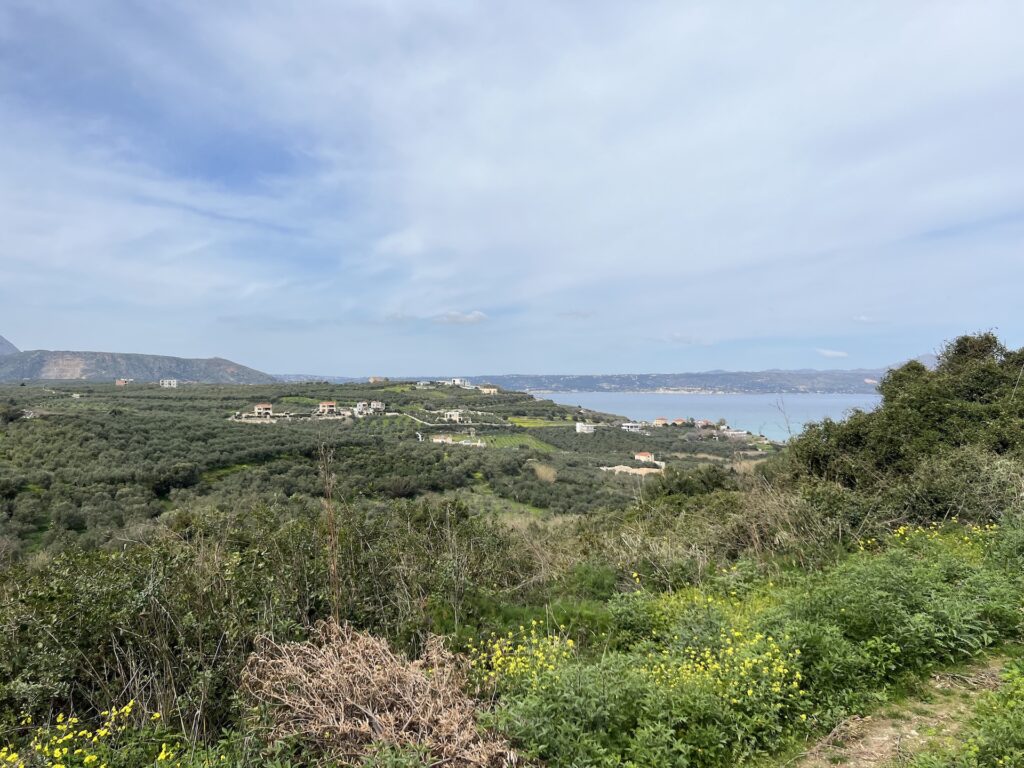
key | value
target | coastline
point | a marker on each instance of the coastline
(666, 391)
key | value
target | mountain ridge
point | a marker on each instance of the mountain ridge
(67, 365)
(6, 348)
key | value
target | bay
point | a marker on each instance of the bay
(776, 416)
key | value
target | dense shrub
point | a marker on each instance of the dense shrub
(171, 623)
(715, 676)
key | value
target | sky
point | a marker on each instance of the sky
(463, 188)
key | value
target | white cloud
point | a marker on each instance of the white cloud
(833, 353)
(744, 173)
(460, 318)
(405, 243)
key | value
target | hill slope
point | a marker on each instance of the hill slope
(105, 366)
(6, 348)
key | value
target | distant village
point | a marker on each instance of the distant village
(713, 430)
(265, 413)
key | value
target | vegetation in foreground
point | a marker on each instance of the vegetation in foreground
(87, 465)
(717, 621)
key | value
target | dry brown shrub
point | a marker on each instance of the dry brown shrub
(346, 693)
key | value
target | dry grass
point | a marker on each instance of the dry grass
(347, 694)
(545, 472)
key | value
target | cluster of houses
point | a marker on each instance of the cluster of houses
(703, 424)
(164, 383)
(661, 421)
(452, 440)
(583, 428)
(326, 409)
(483, 389)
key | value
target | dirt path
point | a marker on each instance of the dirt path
(905, 728)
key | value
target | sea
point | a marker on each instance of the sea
(776, 416)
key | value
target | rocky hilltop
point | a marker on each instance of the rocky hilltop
(6, 348)
(107, 366)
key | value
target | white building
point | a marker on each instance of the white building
(377, 406)
(169, 383)
(460, 382)
(585, 429)
(488, 390)
(632, 426)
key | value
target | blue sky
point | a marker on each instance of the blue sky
(564, 187)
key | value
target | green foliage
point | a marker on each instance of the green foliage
(171, 623)
(714, 677)
(928, 450)
(704, 618)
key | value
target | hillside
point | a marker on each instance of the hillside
(105, 366)
(313, 587)
(6, 348)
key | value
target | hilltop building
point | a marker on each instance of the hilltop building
(585, 429)
(661, 421)
(488, 390)
(263, 410)
(379, 379)
(632, 426)
(169, 383)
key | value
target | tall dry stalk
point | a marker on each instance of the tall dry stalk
(327, 480)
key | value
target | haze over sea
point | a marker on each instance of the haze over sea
(775, 416)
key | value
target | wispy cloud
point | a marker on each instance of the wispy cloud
(367, 162)
(460, 318)
(831, 353)
(687, 340)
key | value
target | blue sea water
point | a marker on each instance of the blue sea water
(774, 416)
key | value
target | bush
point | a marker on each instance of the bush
(346, 695)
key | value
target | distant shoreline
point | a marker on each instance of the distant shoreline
(701, 392)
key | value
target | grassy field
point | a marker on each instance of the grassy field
(515, 441)
(532, 423)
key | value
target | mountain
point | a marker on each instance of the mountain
(6, 348)
(107, 366)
